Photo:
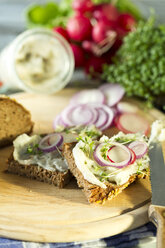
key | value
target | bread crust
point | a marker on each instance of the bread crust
(14, 120)
(94, 193)
(38, 173)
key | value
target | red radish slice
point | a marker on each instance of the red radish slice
(133, 123)
(113, 93)
(139, 148)
(81, 114)
(133, 156)
(115, 120)
(124, 161)
(125, 107)
(117, 154)
(50, 142)
(86, 96)
(108, 155)
(109, 113)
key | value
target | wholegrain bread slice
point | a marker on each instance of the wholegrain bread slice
(14, 120)
(38, 173)
(94, 193)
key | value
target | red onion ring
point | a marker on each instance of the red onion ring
(50, 142)
(81, 114)
(113, 93)
(107, 111)
(139, 148)
(87, 96)
(58, 122)
(103, 162)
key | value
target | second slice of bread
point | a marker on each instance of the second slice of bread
(94, 193)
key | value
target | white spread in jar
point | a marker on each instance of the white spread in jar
(40, 61)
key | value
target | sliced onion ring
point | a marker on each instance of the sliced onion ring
(50, 142)
(140, 148)
(87, 96)
(105, 115)
(103, 162)
(82, 114)
(113, 93)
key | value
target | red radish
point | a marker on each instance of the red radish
(107, 11)
(62, 31)
(116, 154)
(87, 96)
(121, 32)
(139, 148)
(82, 5)
(88, 45)
(133, 123)
(115, 120)
(113, 93)
(133, 156)
(79, 55)
(126, 107)
(94, 66)
(101, 29)
(79, 28)
(127, 22)
(122, 152)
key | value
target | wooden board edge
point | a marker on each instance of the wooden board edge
(77, 233)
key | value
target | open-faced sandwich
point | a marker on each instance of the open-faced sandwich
(104, 167)
(39, 156)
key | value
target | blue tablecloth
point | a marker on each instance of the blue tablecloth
(125, 240)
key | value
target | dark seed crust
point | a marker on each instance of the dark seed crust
(94, 193)
(56, 178)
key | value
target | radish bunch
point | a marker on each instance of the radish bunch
(95, 32)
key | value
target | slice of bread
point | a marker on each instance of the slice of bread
(14, 120)
(94, 193)
(38, 173)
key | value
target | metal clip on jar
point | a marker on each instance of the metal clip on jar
(38, 60)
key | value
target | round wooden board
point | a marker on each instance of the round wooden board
(35, 211)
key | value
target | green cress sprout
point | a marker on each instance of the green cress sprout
(139, 65)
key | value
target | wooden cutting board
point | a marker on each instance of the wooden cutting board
(35, 211)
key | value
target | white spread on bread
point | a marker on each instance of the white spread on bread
(93, 172)
(50, 161)
(157, 131)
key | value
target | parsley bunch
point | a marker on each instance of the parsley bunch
(139, 65)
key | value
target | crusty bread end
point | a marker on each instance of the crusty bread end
(14, 120)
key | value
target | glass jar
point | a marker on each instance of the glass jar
(38, 60)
